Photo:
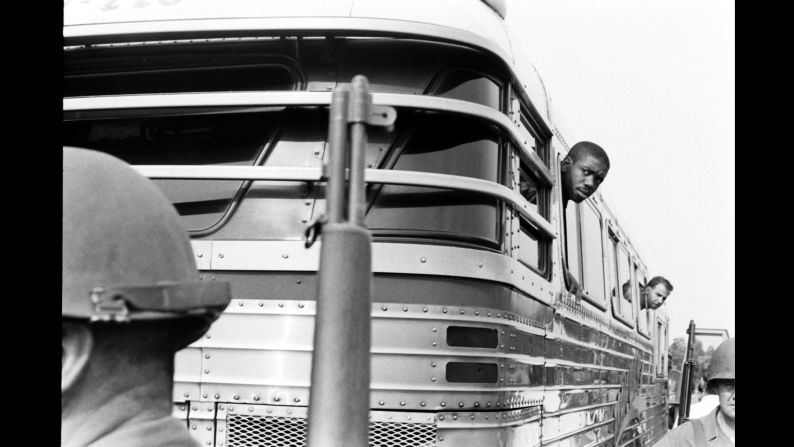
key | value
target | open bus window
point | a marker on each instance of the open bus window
(592, 255)
(622, 288)
(644, 316)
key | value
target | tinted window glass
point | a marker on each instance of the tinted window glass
(622, 302)
(572, 241)
(443, 144)
(470, 86)
(224, 139)
(176, 68)
(644, 317)
(592, 253)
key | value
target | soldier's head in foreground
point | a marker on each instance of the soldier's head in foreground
(583, 170)
(722, 378)
(131, 298)
(655, 293)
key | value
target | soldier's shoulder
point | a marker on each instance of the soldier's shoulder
(681, 436)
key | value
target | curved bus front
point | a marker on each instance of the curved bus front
(474, 340)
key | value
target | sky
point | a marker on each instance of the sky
(653, 83)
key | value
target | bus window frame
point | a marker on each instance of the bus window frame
(649, 313)
(661, 345)
(601, 304)
(523, 119)
(524, 226)
(616, 244)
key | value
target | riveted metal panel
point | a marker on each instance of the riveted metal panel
(187, 374)
(481, 300)
(556, 399)
(526, 434)
(587, 437)
(201, 423)
(566, 424)
(203, 253)
(387, 258)
(180, 411)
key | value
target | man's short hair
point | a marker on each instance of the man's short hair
(583, 148)
(660, 280)
(626, 288)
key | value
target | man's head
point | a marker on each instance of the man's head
(656, 292)
(128, 268)
(722, 377)
(626, 287)
(583, 170)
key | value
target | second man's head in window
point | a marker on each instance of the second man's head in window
(583, 170)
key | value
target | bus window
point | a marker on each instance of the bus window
(622, 299)
(527, 123)
(220, 139)
(470, 86)
(644, 316)
(444, 144)
(572, 241)
(661, 348)
(592, 255)
(533, 248)
(177, 68)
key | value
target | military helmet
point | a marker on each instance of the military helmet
(126, 257)
(723, 361)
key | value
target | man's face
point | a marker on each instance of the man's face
(656, 295)
(726, 390)
(582, 177)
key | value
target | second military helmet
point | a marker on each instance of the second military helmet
(723, 361)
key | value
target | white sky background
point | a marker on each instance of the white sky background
(653, 82)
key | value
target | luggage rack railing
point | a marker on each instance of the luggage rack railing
(74, 105)
(380, 176)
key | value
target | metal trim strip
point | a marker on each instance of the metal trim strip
(581, 430)
(387, 257)
(575, 409)
(390, 177)
(554, 362)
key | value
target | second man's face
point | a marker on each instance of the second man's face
(656, 295)
(583, 177)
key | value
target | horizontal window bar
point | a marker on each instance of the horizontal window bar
(389, 177)
(284, 98)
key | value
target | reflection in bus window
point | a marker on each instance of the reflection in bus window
(661, 348)
(572, 241)
(528, 188)
(592, 254)
(532, 246)
(218, 139)
(177, 68)
(470, 86)
(644, 316)
(445, 145)
(622, 299)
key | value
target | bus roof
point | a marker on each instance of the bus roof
(469, 22)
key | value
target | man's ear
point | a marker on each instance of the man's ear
(565, 163)
(76, 342)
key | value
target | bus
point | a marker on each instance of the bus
(475, 340)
